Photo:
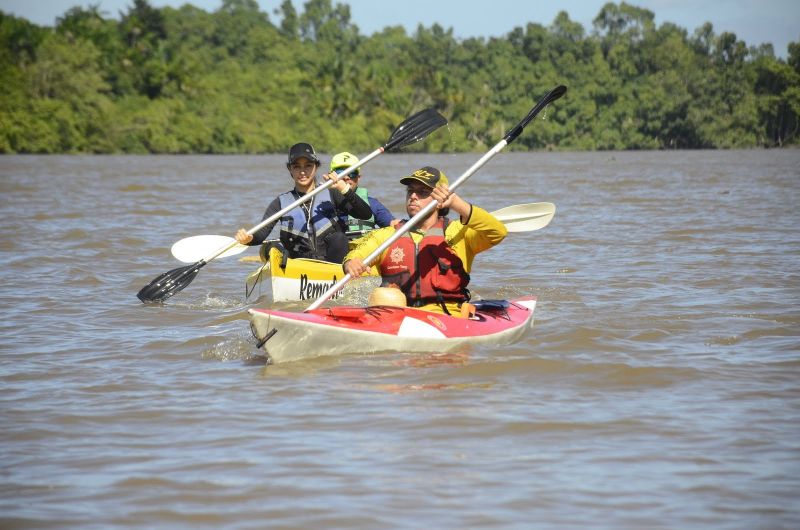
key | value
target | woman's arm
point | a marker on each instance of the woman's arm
(262, 234)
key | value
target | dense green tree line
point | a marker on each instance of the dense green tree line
(236, 81)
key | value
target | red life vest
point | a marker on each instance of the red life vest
(428, 272)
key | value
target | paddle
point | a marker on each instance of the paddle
(526, 217)
(191, 249)
(412, 130)
(551, 96)
(517, 218)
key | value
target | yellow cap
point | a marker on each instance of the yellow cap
(343, 159)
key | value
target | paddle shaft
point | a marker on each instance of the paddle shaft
(413, 129)
(416, 219)
(176, 280)
(305, 198)
(422, 214)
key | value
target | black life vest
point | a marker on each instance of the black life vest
(303, 225)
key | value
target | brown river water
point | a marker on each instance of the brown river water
(659, 387)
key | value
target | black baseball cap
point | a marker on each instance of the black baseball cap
(430, 176)
(303, 150)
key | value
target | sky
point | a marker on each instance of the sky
(753, 21)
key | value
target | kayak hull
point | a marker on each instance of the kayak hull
(300, 279)
(339, 330)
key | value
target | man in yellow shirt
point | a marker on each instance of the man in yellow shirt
(431, 263)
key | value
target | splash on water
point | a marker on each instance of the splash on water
(235, 348)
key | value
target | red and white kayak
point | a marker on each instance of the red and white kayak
(291, 336)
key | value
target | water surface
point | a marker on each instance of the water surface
(658, 388)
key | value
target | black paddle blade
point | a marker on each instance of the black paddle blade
(169, 283)
(415, 128)
(550, 97)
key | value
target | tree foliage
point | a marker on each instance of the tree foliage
(236, 81)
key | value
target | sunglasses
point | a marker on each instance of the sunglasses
(355, 174)
(422, 193)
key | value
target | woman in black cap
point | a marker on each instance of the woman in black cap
(312, 229)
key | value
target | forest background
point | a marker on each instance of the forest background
(235, 81)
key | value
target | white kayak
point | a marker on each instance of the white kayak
(292, 336)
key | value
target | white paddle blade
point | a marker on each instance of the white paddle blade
(526, 217)
(195, 248)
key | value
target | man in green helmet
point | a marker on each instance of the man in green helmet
(381, 216)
